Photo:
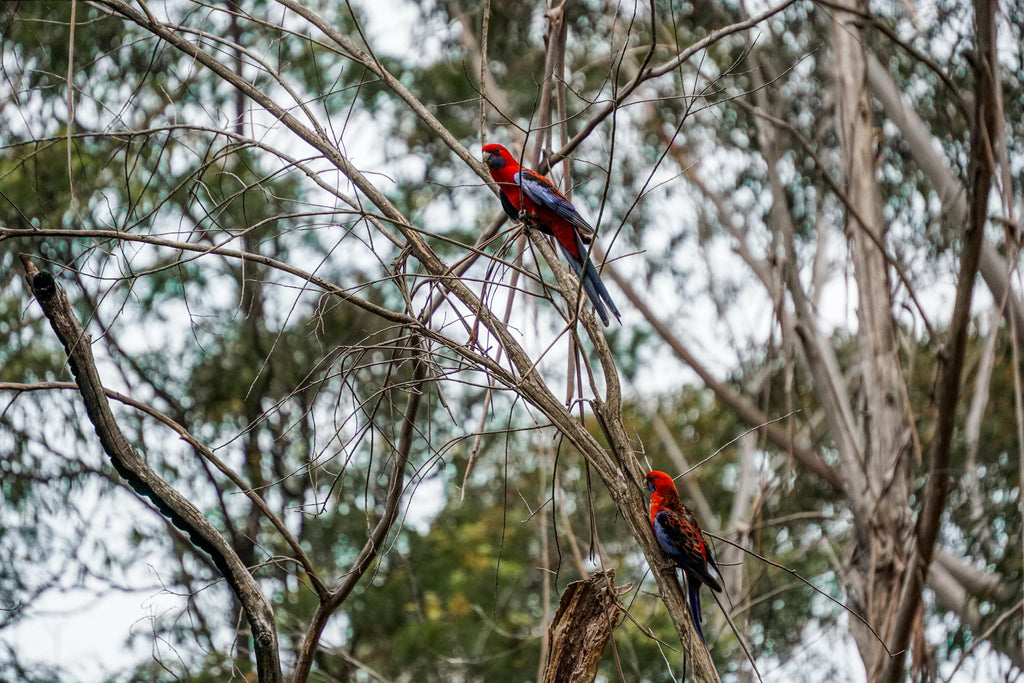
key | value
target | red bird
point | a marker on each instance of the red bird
(680, 536)
(528, 195)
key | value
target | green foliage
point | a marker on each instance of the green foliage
(461, 600)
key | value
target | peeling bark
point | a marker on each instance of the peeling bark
(882, 527)
(587, 615)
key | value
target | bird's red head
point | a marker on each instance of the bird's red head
(497, 157)
(663, 493)
(660, 482)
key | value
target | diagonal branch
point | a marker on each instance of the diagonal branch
(372, 547)
(300, 554)
(143, 480)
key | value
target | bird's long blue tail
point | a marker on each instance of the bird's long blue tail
(592, 284)
(693, 585)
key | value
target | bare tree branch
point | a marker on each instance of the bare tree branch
(300, 555)
(143, 480)
(375, 543)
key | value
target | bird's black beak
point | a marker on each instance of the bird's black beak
(650, 485)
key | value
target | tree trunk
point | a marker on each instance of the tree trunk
(882, 519)
(587, 614)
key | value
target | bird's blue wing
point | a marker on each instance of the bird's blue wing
(677, 539)
(683, 543)
(540, 191)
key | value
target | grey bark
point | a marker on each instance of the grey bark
(587, 615)
(143, 480)
(883, 518)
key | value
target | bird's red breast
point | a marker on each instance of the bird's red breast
(664, 495)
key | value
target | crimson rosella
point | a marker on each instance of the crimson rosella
(529, 196)
(680, 536)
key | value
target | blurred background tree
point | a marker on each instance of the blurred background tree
(787, 194)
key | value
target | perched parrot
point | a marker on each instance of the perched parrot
(544, 207)
(680, 536)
